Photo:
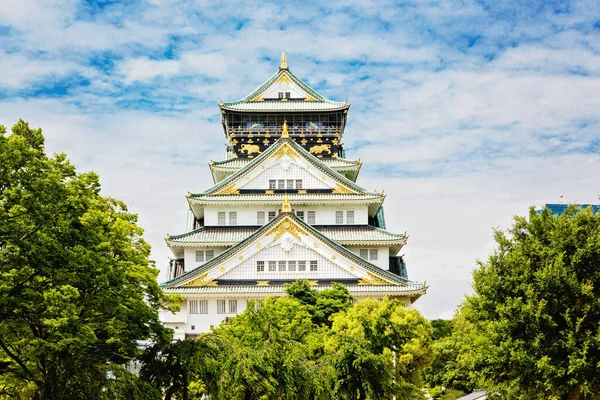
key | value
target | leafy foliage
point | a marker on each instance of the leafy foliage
(531, 330)
(309, 345)
(77, 290)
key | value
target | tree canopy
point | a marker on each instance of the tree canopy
(309, 345)
(531, 330)
(77, 289)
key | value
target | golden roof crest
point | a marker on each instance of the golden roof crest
(283, 61)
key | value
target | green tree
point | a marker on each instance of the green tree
(321, 305)
(533, 321)
(77, 290)
(386, 338)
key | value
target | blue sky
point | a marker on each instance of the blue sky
(465, 112)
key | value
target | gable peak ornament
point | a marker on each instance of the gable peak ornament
(284, 130)
(283, 61)
(286, 207)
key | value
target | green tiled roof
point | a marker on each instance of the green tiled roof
(359, 234)
(338, 248)
(320, 103)
(273, 148)
(341, 164)
(310, 198)
(410, 289)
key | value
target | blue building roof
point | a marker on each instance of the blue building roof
(559, 209)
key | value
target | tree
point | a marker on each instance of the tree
(321, 305)
(379, 350)
(77, 290)
(533, 320)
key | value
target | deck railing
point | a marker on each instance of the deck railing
(292, 130)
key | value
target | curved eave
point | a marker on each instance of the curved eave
(295, 199)
(283, 106)
(408, 290)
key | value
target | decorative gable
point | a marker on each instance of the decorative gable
(284, 84)
(290, 244)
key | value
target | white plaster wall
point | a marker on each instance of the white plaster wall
(293, 171)
(284, 86)
(324, 215)
(189, 256)
(383, 255)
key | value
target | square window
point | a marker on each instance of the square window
(281, 184)
(232, 306)
(260, 217)
(210, 254)
(272, 215)
(287, 95)
(349, 217)
(311, 217)
(290, 183)
(313, 265)
(373, 254)
(199, 255)
(280, 95)
(300, 215)
(281, 266)
(260, 266)
(272, 184)
(339, 217)
(220, 306)
(232, 218)
(364, 253)
(272, 266)
(298, 183)
(301, 265)
(292, 266)
(222, 218)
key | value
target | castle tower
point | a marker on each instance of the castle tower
(284, 206)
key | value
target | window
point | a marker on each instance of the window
(281, 266)
(311, 217)
(272, 266)
(210, 254)
(198, 306)
(193, 306)
(349, 217)
(368, 254)
(232, 218)
(373, 254)
(281, 95)
(272, 215)
(222, 218)
(260, 266)
(313, 265)
(300, 214)
(292, 266)
(281, 184)
(287, 95)
(260, 217)
(272, 183)
(220, 306)
(232, 306)
(301, 265)
(202, 306)
(339, 217)
(290, 184)
(298, 183)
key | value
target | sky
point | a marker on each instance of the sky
(465, 112)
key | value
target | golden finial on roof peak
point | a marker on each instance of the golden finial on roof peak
(286, 207)
(283, 61)
(284, 130)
